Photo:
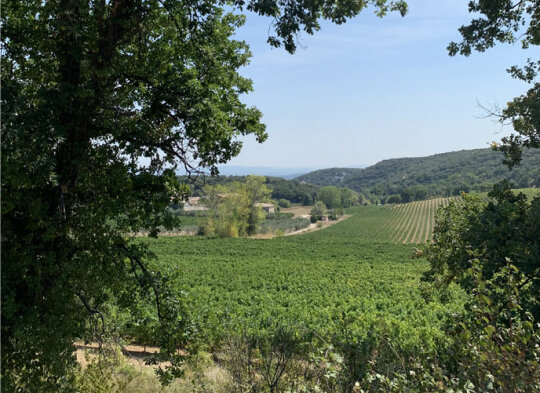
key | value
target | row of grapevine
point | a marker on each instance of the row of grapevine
(413, 222)
(409, 223)
(339, 288)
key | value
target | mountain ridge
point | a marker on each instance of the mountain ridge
(442, 174)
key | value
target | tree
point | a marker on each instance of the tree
(284, 203)
(257, 192)
(492, 250)
(317, 211)
(330, 196)
(239, 207)
(101, 102)
(349, 198)
(212, 197)
(505, 229)
(362, 200)
(508, 21)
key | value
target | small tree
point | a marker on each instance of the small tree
(318, 210)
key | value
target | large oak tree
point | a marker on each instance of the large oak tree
(101, 102)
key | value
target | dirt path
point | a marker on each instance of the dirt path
(314, 227)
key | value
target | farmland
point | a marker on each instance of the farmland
(410, 223)
(347, 285)
(347, 277)
(327, 286)
(353, 288)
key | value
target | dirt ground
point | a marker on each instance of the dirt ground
(298, 211)
(315, 227)
(134, 355)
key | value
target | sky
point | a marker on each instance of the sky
(375, 89)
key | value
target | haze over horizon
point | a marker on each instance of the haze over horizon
(375, 89)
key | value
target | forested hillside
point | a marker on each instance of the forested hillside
(444, 174)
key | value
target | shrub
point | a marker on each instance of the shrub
(396, 198)
(284, 203)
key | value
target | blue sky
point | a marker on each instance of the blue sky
(374, 89)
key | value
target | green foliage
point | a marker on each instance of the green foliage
(290, 190)
(233, 208)
(284, 203)
(337, 287)
(344, 307)
(491, 250)
(330, 196)
(396, 198)
(349, 198)
(507, 22)
(92, 89)
(317, 211)
(498, 343)
(406, 223)
(334, 197)
(504, 229)
(101, 103)
(440, 175)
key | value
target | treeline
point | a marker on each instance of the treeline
(440, 175)
(334, 197)
(291, 190)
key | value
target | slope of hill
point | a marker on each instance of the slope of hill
(439, 175)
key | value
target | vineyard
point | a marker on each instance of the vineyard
(344, 288)
(410, 223)
(337, 288)
(353, 289)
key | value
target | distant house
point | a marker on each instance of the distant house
(267, 207)
(324, 218)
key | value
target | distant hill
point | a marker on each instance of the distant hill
(284, 172)
(444, 174)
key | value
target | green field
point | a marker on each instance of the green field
(409, 223)
(353, 288)
(343, 283)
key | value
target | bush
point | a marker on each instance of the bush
(284, 203)
(396, 198)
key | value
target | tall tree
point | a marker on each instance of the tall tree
(509, 21)
(101, 102)
(330, 196)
